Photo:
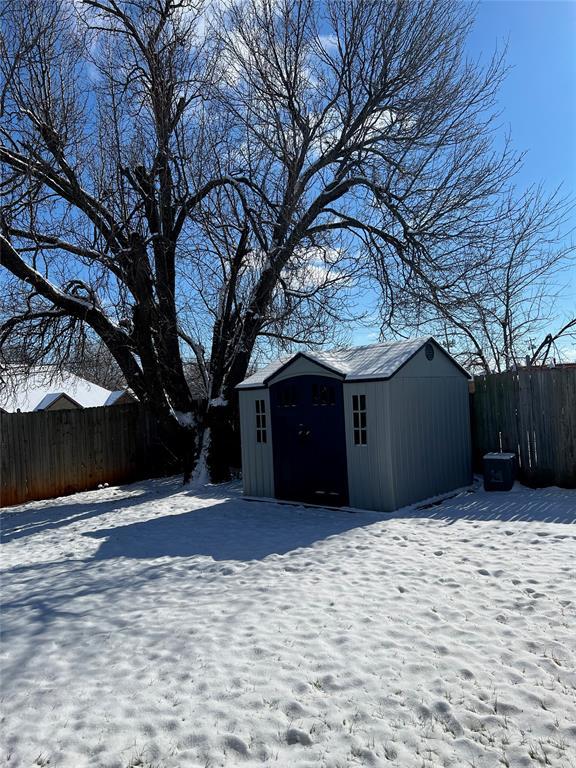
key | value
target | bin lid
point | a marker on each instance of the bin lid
(499, 456)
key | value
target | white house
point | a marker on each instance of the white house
(45, 389)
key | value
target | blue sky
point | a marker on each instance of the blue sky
(538, 98)
(539, 95)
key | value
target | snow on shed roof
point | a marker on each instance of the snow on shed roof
(374, 361)
(36, 389)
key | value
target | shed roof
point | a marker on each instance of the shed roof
(374, 361)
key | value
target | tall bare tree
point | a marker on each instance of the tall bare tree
(98, 129)
(500, 314)
(208, 180)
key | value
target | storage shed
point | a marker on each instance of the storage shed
(376, 427)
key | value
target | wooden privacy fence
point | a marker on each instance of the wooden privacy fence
(531, 412)
(53, 453)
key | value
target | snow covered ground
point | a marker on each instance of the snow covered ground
(153, 625)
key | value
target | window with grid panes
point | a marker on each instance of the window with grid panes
(260, 421)
(359, 419)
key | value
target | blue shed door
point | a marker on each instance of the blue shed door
(309, 440)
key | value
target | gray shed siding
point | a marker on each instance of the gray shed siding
(430, 436)
(439, 367)
(418, 439)
(369, 466)
(257, 461)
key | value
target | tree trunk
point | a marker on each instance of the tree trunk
(177, 445)
(218, 436)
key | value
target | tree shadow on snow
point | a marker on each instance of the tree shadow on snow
(63, 511)
(237, 529)
(228, 530)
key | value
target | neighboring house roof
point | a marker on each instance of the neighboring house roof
(375, 361)
(120, 394)
(36, 389)
(52, 398)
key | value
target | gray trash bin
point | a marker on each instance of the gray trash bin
(499, 471)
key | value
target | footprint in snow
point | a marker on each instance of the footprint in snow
(295, 709)
(296, 736)
(237, 744)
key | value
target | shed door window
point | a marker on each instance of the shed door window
(287, 397)
(260, 421)
(323, 394)
(359, 417)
